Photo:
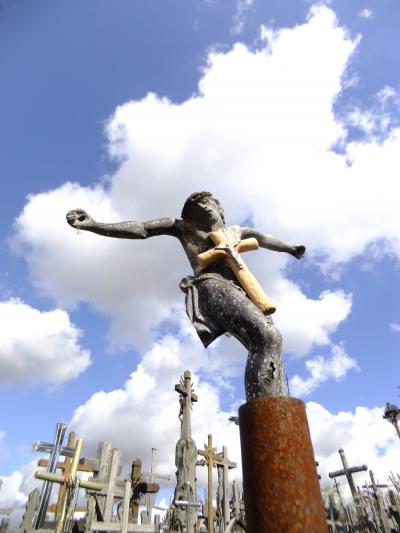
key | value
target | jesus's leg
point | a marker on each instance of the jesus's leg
(231, 308)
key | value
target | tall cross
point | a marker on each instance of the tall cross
(54, 450)
(186, 398)
(225, 465)
(210, 459)
(348, 471)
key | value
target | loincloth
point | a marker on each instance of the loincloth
(206, 326)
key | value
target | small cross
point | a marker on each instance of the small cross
(139, 487)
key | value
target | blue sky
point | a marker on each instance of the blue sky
(288, 112)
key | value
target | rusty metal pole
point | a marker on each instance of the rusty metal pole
(280, 482)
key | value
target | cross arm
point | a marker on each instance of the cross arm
(182, 390)
(40, 446)
(81, 467)
(351, 470)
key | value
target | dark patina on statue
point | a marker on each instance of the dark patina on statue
(215, 302)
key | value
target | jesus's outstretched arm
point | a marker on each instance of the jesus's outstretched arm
(78, 218)
(272, 243)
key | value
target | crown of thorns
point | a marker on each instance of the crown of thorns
(193, 199)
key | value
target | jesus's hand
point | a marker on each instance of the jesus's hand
(78, 218)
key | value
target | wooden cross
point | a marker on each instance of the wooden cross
(225, 465)
(210, 459)
(139, 487)
(65, 468)
(72, 483)
(186, 398)
(54, 450)
(348, 471)
(228, 252)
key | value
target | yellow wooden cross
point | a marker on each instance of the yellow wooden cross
(210, 459)
(228, 252)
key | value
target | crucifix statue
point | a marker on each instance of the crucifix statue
(222, 295)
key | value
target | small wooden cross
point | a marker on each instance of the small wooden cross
(211, 459)
(230, 253)
(139, 487)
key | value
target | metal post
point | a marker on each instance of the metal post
(281, 488)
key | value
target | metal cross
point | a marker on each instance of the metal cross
(71, 483)
(54, 450)
(65, 467)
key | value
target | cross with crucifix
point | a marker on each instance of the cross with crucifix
(211, 459)
(186, 398)
(185, 458)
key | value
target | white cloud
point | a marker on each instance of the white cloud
(394, 326)
(363, 434)
(259, 135)
(38, 346)
(257, 119)
(366, 14)
(239, 19)
(321, 369)
(15, 489)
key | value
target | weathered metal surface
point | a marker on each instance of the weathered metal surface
(281, 488)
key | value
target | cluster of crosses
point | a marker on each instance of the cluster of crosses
(114, 505)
